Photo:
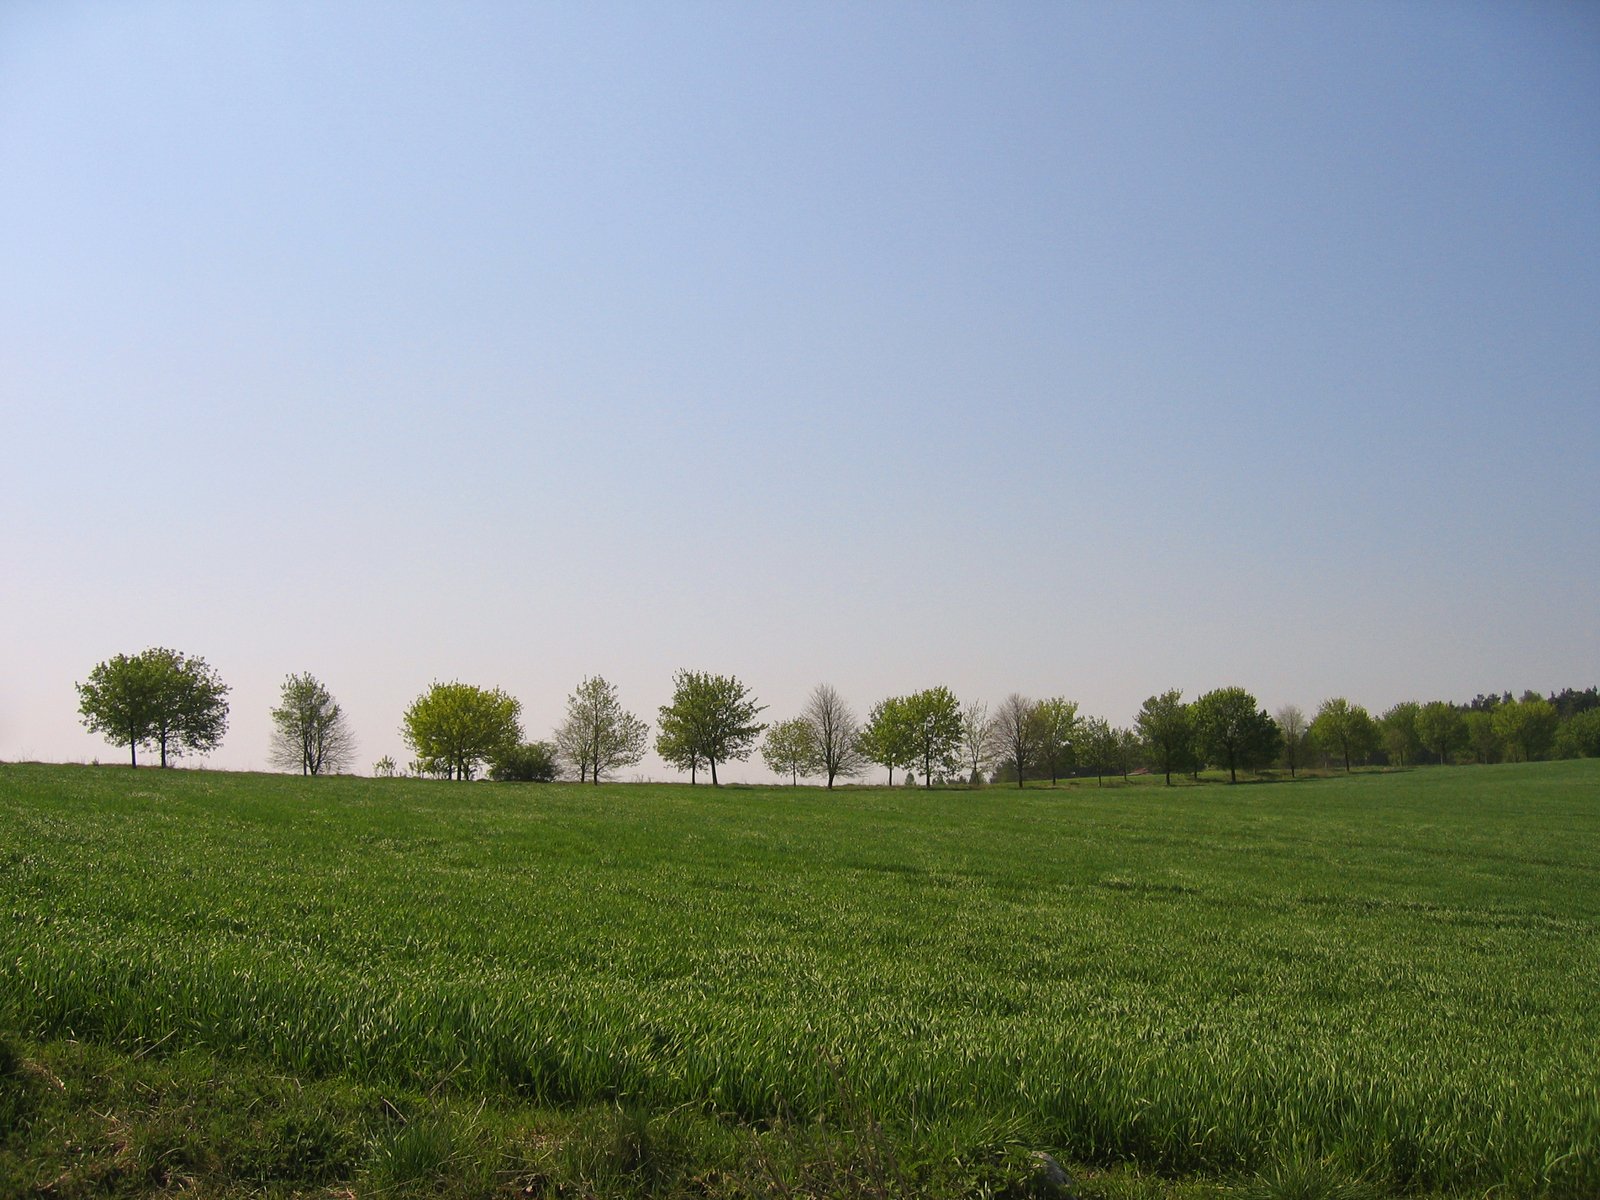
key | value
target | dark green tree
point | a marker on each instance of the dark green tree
(711, 719)
(1231, 730)
(162, 698)
(530, 762)
(1163, 724)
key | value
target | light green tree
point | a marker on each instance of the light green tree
(1441, 729)
(711, 719)
(1527, 726)
(791, 749)
(1056, 725)
(1232, 730)
(1397, 730)
(309, 730)
(159, 697)
(1344, 730)
(886, 738)
(1482, 739)
(454, 728)
(933, 716)
(598, 735)
(1164, 725)
(1099, 742)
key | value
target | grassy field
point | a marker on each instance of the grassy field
(1388, 979)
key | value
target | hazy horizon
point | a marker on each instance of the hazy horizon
(1087, 350)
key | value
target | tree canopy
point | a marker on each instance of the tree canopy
(711, 719)
(159, 697)
(1231, 730)
(1344, 729)
(454, 728)
(1165, 727)
(791, 749)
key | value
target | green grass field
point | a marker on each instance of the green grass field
(1395, 977)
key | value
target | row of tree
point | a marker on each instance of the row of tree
(175, 703)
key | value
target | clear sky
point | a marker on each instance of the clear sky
(1069, 349)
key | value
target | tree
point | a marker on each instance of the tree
(976, 731)
(309, 730)
(1231, 730)
(1527, 726)
(455, 728)
(1292, 725)
(599, 735)
(384, 768)
(1056, 723)
(791, 749)
(1129, 747)
(530, 762)
(933, 719)
(158, 697)
(834, 728)
(1099, 742)
(1441, 728)
(1163, 723)
(711, 719)
(886, 738)
(1015, 734)
(1397, 729)
(1579, 735)
(1481, 736)
(1344, 730)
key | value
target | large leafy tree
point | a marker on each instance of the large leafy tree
(1099, 742)
(835, 730)
(598, 734)
(309, 730)
(1526, 726)
(159, 697)
(791, 749)
(1397, 730)
(1056, 723)
(1440, 728)
(1014, 735)
(1344, 730)
(886, 738)
(933, 717)
(1231, 730)
(711, 719)
(455, 728)
(1164, 725)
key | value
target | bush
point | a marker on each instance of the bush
(531, 762)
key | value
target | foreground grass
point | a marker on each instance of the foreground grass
(1381, 981)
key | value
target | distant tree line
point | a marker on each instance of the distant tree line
(164, 701)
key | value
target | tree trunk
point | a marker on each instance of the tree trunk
(714, 782)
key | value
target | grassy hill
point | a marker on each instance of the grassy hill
(1382, 981)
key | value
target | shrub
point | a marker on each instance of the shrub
(531, 762)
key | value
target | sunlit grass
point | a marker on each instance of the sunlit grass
(1391, 977)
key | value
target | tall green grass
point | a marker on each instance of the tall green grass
(1396, 975)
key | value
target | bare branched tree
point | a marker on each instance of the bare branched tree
(599, 735)
(976, 738)
(836, 730)
(309, 730)
(1015, 733)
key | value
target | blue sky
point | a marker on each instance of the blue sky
(1084, 350)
